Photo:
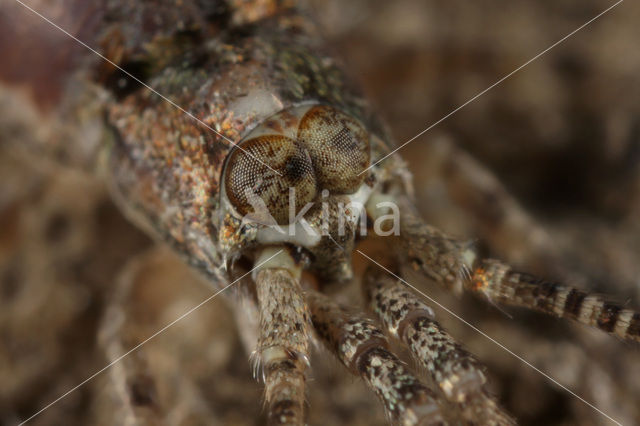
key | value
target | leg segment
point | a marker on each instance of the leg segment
(283, 343)
(431, 251)
(363, 349)
(456, 372)
(497, 282)
(447, 261)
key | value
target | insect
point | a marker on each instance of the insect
(265, 83)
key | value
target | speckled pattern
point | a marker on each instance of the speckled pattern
(456, 373)
(457, 264)
(339, 147)
(363, 349)
(234, 63)
(431, 251)
(283, 345)
(498, 282)
(164, 166)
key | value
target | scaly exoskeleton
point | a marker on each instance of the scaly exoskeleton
(229, 133)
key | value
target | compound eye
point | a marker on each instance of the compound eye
(249, 182)
(339, 148)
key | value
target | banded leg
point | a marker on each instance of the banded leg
(456, 372)
(449, 262)
(364, 350)
(499, 283)
(283, 343)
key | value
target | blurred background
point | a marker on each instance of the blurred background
(541, 171)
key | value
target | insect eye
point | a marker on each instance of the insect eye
(339, 148)
(248, 179)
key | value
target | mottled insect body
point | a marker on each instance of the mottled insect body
(224, 110)
(276, 80)
(164, 166)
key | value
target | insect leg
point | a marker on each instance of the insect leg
(283, 342)
(432, 252)
(497, 282)
(364, 350)
(456, 265)
(453, 370)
